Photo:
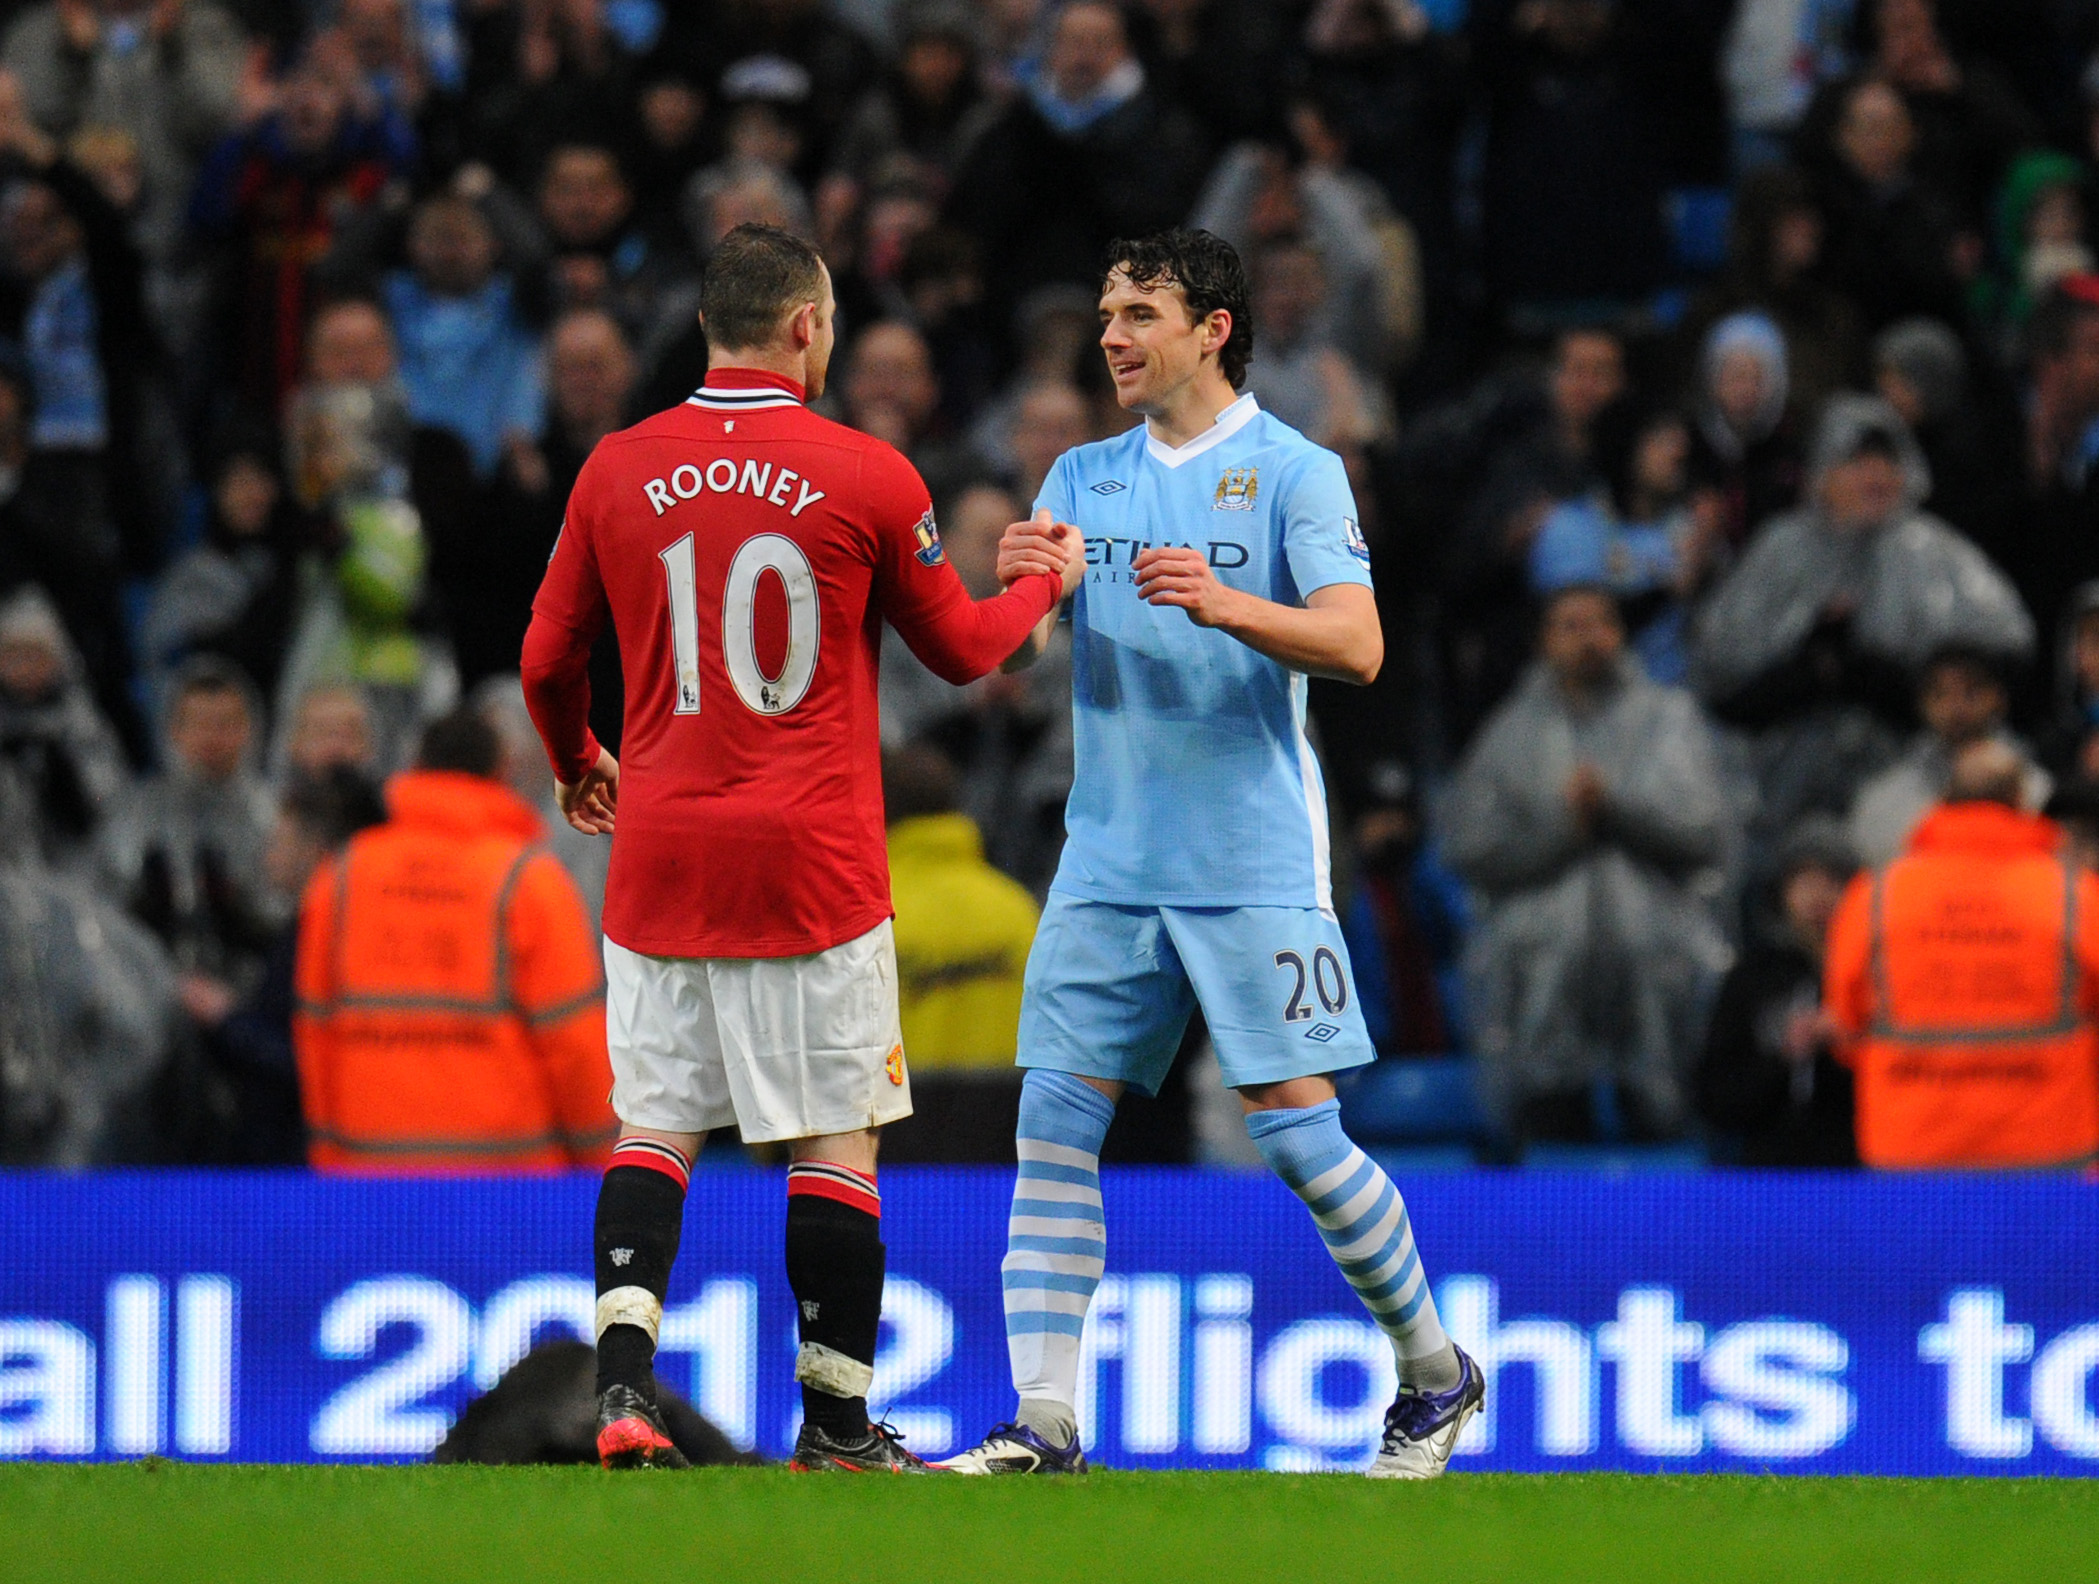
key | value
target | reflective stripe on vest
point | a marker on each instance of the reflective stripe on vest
(1886, 1028)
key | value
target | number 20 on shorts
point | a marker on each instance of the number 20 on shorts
(1324, 979)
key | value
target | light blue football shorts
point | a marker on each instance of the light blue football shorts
(1110, 989)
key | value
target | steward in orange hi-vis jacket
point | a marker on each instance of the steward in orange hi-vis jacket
(451, 1011)
(1965, 977)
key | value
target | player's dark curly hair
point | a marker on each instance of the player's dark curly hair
(1210, 276)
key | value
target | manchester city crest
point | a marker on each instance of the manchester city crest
(1237, 489)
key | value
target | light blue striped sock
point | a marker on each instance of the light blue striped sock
(1364, 1222)
(1056, 1243)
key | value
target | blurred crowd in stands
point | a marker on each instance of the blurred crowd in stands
(1719, 380)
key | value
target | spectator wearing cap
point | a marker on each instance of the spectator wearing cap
(1406, 923)
(1584, 816)
(1961, 699)
(482, 1050)
(1088, 153)
(1964, 982)
(1811, 641)
(2069, 744)
(1921, 369)
(1769, 1084)
(62, 756)
(183, 850)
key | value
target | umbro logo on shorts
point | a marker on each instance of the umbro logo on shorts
(1109, 487)
(1320, 1033)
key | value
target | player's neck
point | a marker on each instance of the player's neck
(788, 365)
(1191, 411)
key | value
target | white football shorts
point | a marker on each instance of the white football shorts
(784, 1047)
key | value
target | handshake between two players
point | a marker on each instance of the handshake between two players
(748, 552)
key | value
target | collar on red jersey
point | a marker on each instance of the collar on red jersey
(745, 390)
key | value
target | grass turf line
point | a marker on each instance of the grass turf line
(171, 1523)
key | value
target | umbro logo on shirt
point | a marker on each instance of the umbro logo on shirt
(1109, 487)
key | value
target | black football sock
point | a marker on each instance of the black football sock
(835, 1263)
(641, 1211)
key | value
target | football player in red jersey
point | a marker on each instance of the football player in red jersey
(748, 553)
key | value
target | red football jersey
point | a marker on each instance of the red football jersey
(747, 551)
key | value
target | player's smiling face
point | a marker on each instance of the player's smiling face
(1155, 349)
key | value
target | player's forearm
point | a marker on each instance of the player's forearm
(1345, 644)
(971, 638)
(555, 669)
(1033, 646)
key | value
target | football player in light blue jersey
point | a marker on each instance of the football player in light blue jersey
(1224, 567)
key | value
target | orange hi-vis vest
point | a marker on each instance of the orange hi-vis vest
(1965, 977)
(451, 1010)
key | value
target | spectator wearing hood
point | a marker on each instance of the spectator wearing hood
(63, 757)
(2040, 236)
(1961, 699)
(1745, 449)
(183, 850)
(1809, 642)
(2069, 744)
(1775, 244)
(1769, 1084)
(1921, 368)
(1583, 816)
(1087, 154)
(233, 595)
(86, 1014)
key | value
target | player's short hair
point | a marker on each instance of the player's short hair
(757, 275)
(1208, 271)
(463, 742)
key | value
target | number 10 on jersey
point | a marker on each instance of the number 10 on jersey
(762, 694)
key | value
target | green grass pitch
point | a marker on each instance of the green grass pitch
(159, 1523)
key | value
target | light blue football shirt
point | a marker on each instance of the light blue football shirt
(1194, 785)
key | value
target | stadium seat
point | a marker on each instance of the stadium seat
(1412, 1102)
(1698, 222)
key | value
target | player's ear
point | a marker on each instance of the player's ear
(1217, 329)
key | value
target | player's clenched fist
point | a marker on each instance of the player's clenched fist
(1042, 545)
(1179, 575)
